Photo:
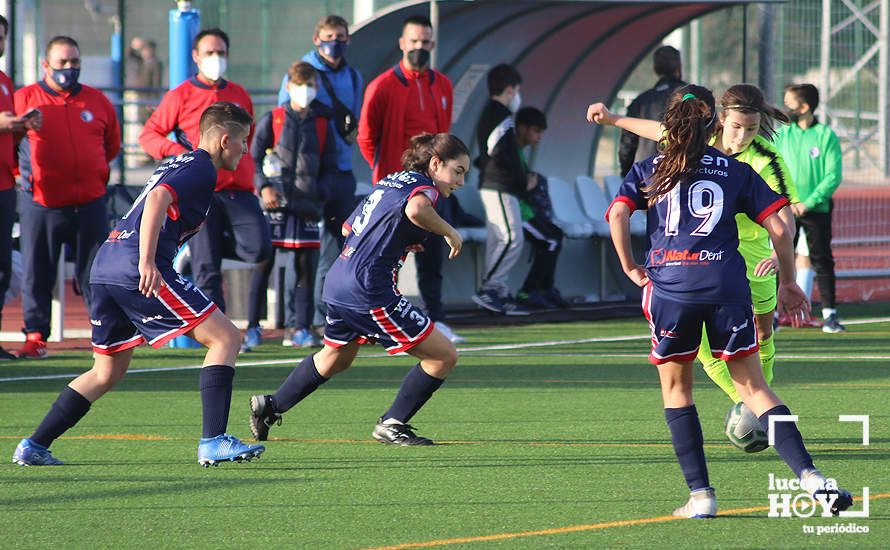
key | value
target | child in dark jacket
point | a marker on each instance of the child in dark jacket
(291, 147)
(538, 290)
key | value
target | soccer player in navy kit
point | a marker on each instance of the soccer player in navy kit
(363, 303)
(695, 275)
(138, 297)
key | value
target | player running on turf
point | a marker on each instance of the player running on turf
(695, 276)
(361, 295)
(138, 297)
(745, 125)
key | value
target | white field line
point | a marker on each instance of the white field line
(472, 350)
(370, 355)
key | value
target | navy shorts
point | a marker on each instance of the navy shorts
(676, 329)
(397, 327)
(123, 317)
(289, 231)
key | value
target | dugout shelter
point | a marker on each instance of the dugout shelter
(569, 54)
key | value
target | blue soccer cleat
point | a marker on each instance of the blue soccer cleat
(304, 338)
(253, 338)
(28, 453)
(226, 448)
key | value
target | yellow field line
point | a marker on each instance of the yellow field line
(575, 528)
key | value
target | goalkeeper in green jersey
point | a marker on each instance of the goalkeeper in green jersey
(746, 124)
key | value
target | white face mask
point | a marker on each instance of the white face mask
(515, 102)
(213, 67)
(301, 95)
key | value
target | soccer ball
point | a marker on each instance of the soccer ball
(743, 429)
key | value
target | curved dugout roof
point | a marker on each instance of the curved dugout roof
(568, 52)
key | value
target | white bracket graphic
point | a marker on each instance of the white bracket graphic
(773, 419)
(857, 418)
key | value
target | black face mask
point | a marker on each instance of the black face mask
(793, 116)
(419, 58)
(66, 78)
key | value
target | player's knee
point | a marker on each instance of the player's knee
(450, 357)
(227, 338)
(445, 361)
(106, 378)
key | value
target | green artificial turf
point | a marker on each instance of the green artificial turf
(560, 446)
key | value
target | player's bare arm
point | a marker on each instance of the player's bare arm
(156, 204)
(791, 298)
(619, 226)
(768, 266)
(422, 214)
(648, 129)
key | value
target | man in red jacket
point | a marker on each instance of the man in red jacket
(404, 101)
(64, 165)
(407, 100)
(235, 226)
(11, 129)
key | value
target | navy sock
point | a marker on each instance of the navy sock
(216, 398)
(301, 381)
(688, 445)
(788, 441)
(416, 389)
(67, 411)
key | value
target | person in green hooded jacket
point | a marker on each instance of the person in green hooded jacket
(812, 152)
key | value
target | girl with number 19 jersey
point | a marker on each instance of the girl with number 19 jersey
(692, 230)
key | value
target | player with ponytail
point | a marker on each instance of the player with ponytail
(363, 303)
(746, 124)
(694, 276)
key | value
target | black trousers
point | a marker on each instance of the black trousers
(338, 193)
(298, 284)
(7, 218)
(429, 275)
(818, 231)
(546, 240)
(235, 228)
(44, 231)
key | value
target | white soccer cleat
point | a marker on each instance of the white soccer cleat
(813, 482)
(450, 334)
(702, 503)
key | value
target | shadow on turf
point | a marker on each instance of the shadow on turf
(157, 486)
(525, 374)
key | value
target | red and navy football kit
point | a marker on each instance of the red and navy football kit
(122, 317)
(235, 227)
(363, 301)
(695, 270)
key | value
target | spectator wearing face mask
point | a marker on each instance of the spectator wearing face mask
(813, 153)
(292, 145)
(235, 226)
(64, 165)
(340, 89)
(408, 100)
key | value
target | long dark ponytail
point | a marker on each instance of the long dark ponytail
(689, 124)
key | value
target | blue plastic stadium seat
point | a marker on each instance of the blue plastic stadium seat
(567, 213)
